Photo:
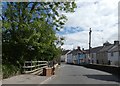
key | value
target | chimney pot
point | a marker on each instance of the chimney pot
(116, 42)
(78, 47)
(82, 48)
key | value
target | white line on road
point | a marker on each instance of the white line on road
(44, 82)
(52, 77)
(62, 66)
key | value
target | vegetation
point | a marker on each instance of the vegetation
(29, 32)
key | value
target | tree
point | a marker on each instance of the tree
(29, 30)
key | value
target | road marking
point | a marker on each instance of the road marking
(62, 66)
(52, 77)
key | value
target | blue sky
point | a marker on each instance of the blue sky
(100, 15)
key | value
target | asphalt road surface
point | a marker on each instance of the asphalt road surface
(72, 74)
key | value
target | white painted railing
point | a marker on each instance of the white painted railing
(34, 67)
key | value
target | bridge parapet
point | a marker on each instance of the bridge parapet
(107, 68)
(34, 67)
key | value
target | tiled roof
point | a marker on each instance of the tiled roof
(87, 51)
(75, 51)
(65, 52)
(70, 52)
(115, 48)
(106, 48)
(96, 49)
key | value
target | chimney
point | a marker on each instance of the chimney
(116, 42)
(78, 48)
(106, 43)
(83, 49)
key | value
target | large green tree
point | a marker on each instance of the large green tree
(29, 30)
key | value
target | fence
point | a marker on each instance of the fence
(34, 67)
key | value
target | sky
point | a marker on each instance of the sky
(99, 15)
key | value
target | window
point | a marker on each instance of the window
(111, 53)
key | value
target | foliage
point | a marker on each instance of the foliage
(9, 70)
(29, 30)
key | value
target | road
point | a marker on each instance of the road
(71, 74)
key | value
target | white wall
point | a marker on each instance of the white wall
(63, 58)
(114, 59)
(69, 58)
(66, 58)
(93, 58)
(74, 57)
(87, 58)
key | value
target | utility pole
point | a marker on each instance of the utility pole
(90, 41)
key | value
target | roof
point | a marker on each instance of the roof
(65, 52)
(115, 48)
(75, 51)
(106, 48)
(94, 50)
(87, 51)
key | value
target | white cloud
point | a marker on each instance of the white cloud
(99, 15)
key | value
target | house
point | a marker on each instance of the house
(64, 55)
(72, 57)
(76, 56)
(87, 56)
(69, 57)
(81, 59)
(93, 54)
(114, 54)
(102, 54)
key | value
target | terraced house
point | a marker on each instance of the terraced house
(103, 56)
(114, 55)
(64, 55)
(76, 56)
(93, 55)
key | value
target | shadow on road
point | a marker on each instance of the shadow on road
(104, 77)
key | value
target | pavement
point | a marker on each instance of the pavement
(27, 79)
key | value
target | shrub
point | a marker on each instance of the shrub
(9, 70)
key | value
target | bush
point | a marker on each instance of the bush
(9, 70)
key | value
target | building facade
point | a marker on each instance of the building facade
(114, 55)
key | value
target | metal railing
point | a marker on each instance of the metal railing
(34, 67)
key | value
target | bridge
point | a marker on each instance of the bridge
(67, 74)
